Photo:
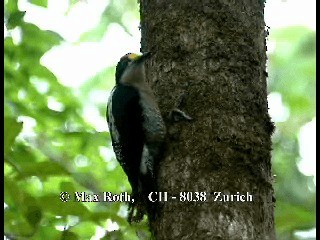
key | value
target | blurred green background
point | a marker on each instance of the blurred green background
(59, 60)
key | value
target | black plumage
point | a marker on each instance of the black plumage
(127, 114)
(137, 131)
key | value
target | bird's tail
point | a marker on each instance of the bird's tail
(142, 204)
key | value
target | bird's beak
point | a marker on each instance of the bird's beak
(144, 56)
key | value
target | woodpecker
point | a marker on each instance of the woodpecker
(137, 131)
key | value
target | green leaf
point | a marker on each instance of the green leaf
(67, 235)
(37, 42)
(52, 203)
(40, 169)
(67, 187)
(291, 217)
(11, 130)
(85, 229)
(41, 3)
(15, 224)
(11, 6)
(33, 215)
(15, 19)
(47, 232)
(13, 195)
(114, 235)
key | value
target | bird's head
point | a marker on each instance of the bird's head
(129, 61)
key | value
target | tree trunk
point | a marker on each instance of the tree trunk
(209, 60)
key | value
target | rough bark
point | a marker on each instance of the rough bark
(209, 60)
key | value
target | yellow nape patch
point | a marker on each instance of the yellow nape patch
(133, 56)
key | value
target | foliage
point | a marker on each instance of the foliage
(292, 74)
(53, 149)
